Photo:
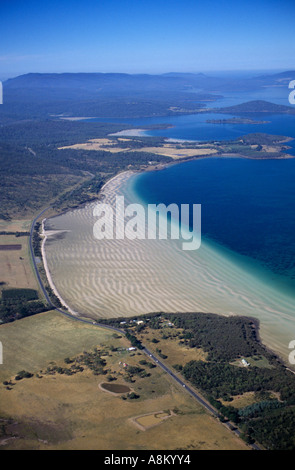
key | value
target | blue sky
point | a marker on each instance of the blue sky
(154, 36)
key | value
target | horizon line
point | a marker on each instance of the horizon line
(203, 72)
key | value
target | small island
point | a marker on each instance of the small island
(235, 120)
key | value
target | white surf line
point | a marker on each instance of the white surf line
(118, 176)
(48, 275)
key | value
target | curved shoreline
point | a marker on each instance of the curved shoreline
(118, 177)
(48, 275)
(109, 191)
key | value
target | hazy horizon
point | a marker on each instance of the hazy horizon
(146, 37)
(212, 73)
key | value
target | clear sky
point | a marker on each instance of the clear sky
(146, 36)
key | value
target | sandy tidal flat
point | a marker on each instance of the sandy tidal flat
(112, 278)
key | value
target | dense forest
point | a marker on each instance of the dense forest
(38, 96)
(226, 339)
(20, 303)
(35, 174)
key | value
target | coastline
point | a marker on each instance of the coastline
(48, 274)
(118, 178)
(117, 278)
(130, 133)
(125, 293)
(45, 234)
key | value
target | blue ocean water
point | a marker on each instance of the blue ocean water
(248, 208)
(195, 127)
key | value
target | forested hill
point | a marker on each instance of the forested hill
(256, 106)
(97, 95)
(123, 82)
(108, 95)
(98, 82)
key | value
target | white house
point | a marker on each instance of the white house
(245, 363)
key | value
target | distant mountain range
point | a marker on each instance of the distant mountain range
(116, 95)
(89, 84)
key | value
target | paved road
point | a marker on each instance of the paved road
(34, 259)
(118, 330)
(181, 382)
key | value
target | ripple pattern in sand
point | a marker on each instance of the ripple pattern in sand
(111, 278)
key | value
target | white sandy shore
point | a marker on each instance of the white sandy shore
(113, 278)
(82, 118)
(45, 235)
(115, 182)
(130, 133)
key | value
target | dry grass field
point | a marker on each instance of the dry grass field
(179, 151)
(15, 225)
(96, 144)
(150, 420)
(176, 353)
(15, 265)
(240, 401)
(173, 150)
(59, 411)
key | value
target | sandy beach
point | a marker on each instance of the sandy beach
(113, 278)
(45, 234)
(130, 133)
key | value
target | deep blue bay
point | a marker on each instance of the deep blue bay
(247, 208)
(245, 264)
